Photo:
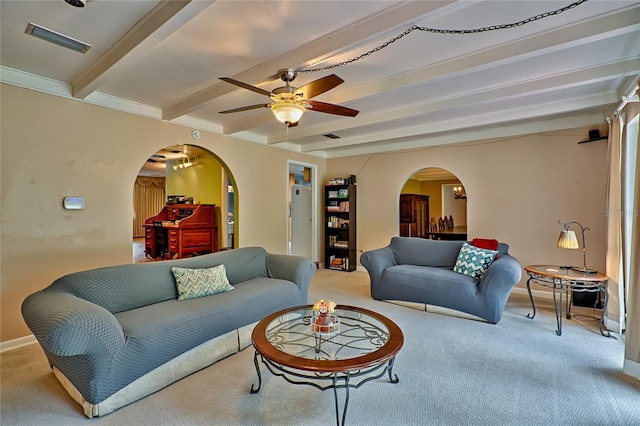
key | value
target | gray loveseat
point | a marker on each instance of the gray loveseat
(114, 335)
(421, 271)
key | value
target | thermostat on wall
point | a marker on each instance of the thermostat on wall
(73, 203)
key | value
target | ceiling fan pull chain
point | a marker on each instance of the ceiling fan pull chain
(446, 31)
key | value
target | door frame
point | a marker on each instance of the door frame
(314, 206)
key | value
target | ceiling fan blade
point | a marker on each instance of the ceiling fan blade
(246, 108)
(319, 86)
(331, 108)
(246, 86)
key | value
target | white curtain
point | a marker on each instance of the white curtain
(631, 240)
(148, 200)
(615, 315)
(623, 232)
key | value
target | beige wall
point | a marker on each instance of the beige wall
(54, 147)
(517, 190)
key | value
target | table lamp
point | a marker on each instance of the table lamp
(568, 240)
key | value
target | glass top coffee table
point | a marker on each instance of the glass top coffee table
(361, 347)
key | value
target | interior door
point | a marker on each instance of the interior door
(301, 221)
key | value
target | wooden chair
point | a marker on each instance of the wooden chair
(160, 240)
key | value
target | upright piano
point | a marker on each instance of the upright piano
(191, 228)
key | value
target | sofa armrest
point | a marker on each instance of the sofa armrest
(66, 325)
(296, 269)
(501, 276)
(376, 261)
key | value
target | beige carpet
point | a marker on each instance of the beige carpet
(452, 372)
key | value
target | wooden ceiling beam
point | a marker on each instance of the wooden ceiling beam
(530, 47)
(167, 17)
(389, 18)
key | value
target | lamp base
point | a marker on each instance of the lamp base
(583, 270)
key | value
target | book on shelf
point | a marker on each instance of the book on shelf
(332, 194)
(342, 193)
(336, 263)
(334, 206)
(339, 263)
(341, 244)
(351, 180)
(337, 222)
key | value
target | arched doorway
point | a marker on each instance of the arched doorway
(433, 204)
(185, 175)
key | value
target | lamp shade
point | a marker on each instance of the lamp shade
(568, 240)
(287, 112)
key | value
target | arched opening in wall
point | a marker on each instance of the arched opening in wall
(433, 204)
(191, 197)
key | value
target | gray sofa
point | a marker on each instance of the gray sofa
(420, 271)
(114, 335)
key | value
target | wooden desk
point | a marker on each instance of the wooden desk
(191, 228)
(458, 233)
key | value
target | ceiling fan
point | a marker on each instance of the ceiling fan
(288, 103)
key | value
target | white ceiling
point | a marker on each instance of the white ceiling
(163, 59)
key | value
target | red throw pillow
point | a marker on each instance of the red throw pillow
(485, 244)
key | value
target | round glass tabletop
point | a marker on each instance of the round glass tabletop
(359, 339)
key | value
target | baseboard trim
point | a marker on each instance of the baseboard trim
(613, 326)
(535, 293)
(10, 345)
(631, 368)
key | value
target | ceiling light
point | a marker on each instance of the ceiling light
(459, 193)
(57, 38)
(287, 112)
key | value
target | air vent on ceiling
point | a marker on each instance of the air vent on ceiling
(331, 136)
(56, 38)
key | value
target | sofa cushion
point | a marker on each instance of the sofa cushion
(425, 252)
(438, 286)
(473, 261)
(160, 332)
(124, 287)
(489, 244)
(193, 283)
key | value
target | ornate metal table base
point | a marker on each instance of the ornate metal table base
(336, 380)
(561, 283)
(363, 348)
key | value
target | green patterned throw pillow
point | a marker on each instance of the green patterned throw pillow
(193, 283)
(473, 261)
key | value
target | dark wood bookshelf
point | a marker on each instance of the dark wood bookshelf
(340, 224)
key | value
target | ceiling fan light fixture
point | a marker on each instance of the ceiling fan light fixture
(76, 3)
(287, 112)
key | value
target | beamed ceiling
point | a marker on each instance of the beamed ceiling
(163, 59)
